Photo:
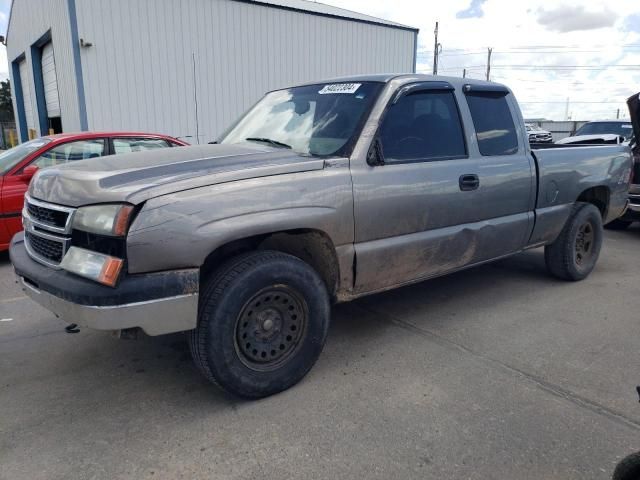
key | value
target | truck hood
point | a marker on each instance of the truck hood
(137, 177)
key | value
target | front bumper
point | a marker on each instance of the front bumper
(158, 303)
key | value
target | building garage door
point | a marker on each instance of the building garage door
(50, 81)
(26, 96)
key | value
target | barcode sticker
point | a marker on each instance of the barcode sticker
(340, 88)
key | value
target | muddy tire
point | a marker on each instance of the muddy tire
(576, 250)
(628, 468)
(263, 320)
(618, 224)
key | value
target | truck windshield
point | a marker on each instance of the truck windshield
(596, 128)
(15, 155)
(322, 119)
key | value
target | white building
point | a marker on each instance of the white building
(186, 68)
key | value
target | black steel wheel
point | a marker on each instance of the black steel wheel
(270, 326)
(573, 255)
(585, 240)
(262, 323)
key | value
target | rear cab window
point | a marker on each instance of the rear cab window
(492, 119)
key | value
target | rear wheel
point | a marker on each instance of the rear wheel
(576, 250)
(263, 321)
(618, 224)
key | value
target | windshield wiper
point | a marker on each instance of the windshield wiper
(270, 141)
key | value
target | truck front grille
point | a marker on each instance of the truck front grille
(48, 216)
(45, 248)
(47, 230)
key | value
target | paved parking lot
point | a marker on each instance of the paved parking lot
(494, 373)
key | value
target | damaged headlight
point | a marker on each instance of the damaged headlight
(110, 219)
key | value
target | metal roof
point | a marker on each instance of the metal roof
(307, 6)
(317, 8)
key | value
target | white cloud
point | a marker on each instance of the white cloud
(567, 18)
(542, 77)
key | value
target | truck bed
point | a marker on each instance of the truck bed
(567, 172)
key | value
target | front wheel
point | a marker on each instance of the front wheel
(576, 250)
(263, 320)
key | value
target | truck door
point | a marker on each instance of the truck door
(415, 212)
(506, 171)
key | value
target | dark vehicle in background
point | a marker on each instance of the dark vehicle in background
(601, 132)
(19, 164)
(632, 213)
(538, 134)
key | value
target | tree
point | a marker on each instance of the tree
(6, 107)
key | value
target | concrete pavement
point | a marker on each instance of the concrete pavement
(492, 373)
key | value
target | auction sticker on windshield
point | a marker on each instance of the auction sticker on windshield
(340, 88)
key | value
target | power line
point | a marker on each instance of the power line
(552, 47)
(572, 101)
(523, 52)
(559, 67)
(575, 82)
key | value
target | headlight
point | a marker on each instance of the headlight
(101, 268)
(111, 219)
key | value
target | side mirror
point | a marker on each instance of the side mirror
(375, 157)
(29, 171)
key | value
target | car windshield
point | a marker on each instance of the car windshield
(12, 157)
(618, 128)
(318, 119)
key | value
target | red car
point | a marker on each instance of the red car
(19, 164)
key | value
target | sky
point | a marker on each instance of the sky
(546, 51)
(5, 6)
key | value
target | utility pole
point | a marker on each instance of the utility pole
(489, 50)
(464, 73)
(566, 110)
(618, 114)
(437, 48)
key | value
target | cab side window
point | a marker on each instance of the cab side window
(71, 151)
(423, 126)
(492, 119)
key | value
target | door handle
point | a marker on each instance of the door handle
(469, 182)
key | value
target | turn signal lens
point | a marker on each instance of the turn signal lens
(121, 222)
(110, 271)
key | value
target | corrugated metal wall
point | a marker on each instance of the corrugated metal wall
(151, 59)
(30, 20)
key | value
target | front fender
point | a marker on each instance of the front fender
(180, 230)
